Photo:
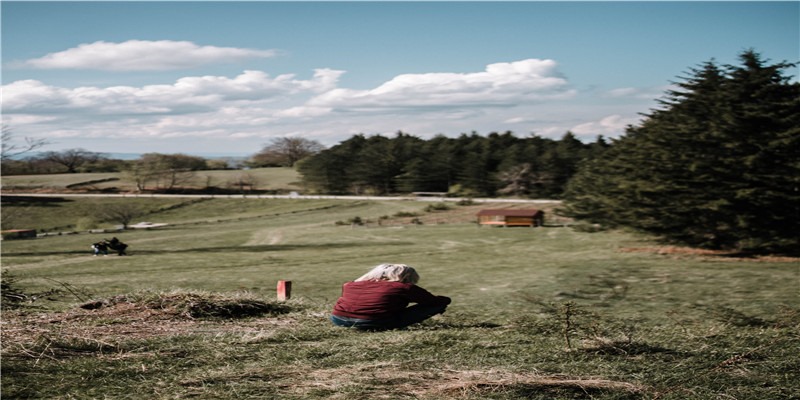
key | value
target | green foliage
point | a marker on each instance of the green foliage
(716, 167)
(470, 165)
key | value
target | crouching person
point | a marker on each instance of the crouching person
(117, 246)
(380, 300)
(100, 248)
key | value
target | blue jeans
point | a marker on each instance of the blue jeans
(411, 315)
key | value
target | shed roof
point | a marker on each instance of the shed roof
(510, 213)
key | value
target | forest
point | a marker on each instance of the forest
(469, 165)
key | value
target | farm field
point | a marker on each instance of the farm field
(283, 179)
(537, 313)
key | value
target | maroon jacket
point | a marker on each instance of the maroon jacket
(381, 299)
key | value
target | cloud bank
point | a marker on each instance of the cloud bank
(186, 95)
(142, 55)
(525, 96)
(501, 84)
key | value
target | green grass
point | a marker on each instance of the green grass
(545, 313)
(265, 179)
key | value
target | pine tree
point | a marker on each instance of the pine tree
(716, 166)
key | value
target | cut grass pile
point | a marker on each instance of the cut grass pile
(546, 313)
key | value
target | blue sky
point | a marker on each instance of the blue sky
(226, 77)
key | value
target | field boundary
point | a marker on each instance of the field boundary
(289, 196)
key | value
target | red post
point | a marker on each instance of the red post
(284, 290)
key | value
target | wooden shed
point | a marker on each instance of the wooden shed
(511, 217)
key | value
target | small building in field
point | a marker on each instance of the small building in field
(507, 217)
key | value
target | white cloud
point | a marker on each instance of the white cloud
(612, 125)
(303, 112)
(623, 92)
(186, 95)
(501, 84)
(519, 120)
(253, 99)
(143, 55)
(647, 93)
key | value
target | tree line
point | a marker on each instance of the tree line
(84, 161)
(468, 165)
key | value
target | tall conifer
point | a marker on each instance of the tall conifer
(717, 166)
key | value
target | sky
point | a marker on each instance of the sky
(226, 78)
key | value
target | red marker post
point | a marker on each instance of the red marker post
(284, 290)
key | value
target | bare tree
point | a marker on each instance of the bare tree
(522, 179)
(123, 213)
(9, 218)
(243, 181)
(286, 151)
(10, 149)
(72, 159)
(517, 179)
(168, 171)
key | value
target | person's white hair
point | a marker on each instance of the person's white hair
(391, 272)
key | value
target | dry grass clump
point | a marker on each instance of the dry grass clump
(98, 326)
(193, 304)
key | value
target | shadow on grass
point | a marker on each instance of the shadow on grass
(441, 325)
(48, 253)
(553, 391)
(632, 348)
(220, 249)
(32, 201)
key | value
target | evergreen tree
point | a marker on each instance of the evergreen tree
(477, 170)
(716, 166)
(477, 165)
(327, 172)
(429, 169)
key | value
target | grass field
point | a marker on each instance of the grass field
(545, 313)
(264, 179)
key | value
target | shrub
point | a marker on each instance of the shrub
(437, 207)
(352, 221)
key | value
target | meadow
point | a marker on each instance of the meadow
(271, 179)
(537, 313)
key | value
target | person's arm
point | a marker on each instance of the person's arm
(419, 295)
